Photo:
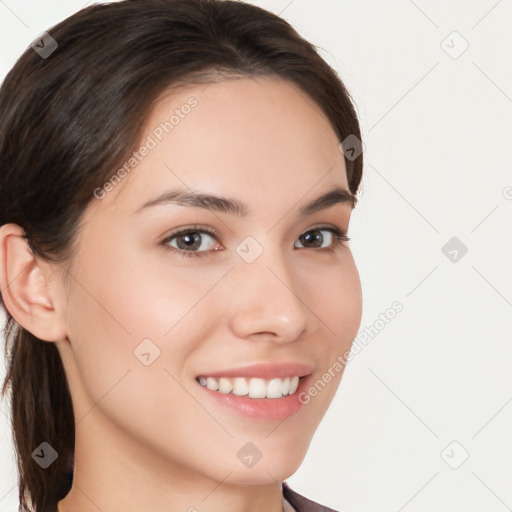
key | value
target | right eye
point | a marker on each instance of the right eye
(188, 240)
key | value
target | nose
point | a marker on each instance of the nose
(268, 302)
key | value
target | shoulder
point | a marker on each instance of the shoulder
(301, 503)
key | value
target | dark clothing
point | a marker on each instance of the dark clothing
(302, 504)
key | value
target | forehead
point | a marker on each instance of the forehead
(259, 139)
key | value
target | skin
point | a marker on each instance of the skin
(149, 437)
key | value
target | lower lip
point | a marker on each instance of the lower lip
(268, 409)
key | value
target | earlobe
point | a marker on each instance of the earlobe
(25, 287)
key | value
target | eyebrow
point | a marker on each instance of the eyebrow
(235, 207)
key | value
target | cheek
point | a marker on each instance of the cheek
(338, 305)
(337, 301)
(118, 304)
(123, 305)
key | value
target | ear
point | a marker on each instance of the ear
(25, 287)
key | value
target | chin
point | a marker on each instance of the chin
(263, 476)
(276, 466)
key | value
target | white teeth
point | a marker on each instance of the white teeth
(254, 388)
(286, 386)
(257, 388)
(212, 384)
(276, 388)
(240, 386)
(225, 385)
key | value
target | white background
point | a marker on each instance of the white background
(438, 136)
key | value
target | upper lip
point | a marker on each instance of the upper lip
(264, 371)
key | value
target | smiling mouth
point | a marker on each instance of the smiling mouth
(252, 387)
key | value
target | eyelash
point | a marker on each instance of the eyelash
(339, 237)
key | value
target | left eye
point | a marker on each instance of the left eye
(335, 236)
(189, 240)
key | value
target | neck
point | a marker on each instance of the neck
(113, 474)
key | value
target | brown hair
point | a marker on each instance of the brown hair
(69, 118)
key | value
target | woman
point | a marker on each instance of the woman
(177, 179)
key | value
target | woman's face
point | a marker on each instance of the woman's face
(269, 295)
